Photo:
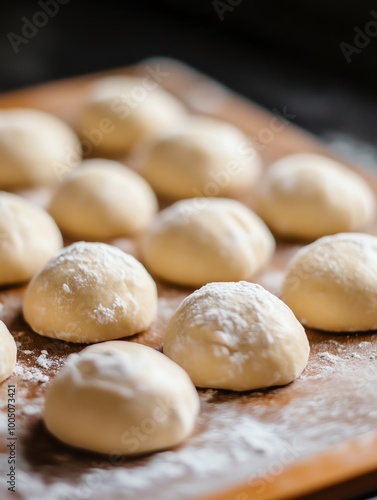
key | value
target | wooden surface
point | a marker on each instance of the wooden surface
(317, 434)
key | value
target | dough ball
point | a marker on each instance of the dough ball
(236, 336)
(200, 240)
(309, 196)
(204, 157)
(332, 283)
(91, 292)
(124, 111)
(29, 237)
(35, 148)
(8, 353)
(103, 200)
(121, 398)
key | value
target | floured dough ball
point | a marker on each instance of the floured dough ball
(8, 353)
(204, 157)
(236, 336)
(332, 283)
(35, 148)
(124, 111)
(309, 196)
(200, 240)
(90, 292)
(29, 237)
(103, 200)
(121, 398)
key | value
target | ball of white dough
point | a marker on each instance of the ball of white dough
(124, 111)
(29, 237)
(236, 336)
(204, 157)
(8, 353)
(35, 148)
(90, 292)
(103, 200)
(200, 240)
(309, 196)
(121, 398)
(332, 283)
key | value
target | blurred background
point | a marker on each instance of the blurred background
(315, 57)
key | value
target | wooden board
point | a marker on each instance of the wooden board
(316, 436)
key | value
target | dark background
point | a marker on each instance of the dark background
(276, 53)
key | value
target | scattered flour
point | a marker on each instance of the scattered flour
(32, 409)
(331, 358)
(30, 374)
(43, 361)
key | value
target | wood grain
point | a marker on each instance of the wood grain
(315, 436)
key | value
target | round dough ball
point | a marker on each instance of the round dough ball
(121, 398)
(236, 336)
(91, 292)
(123, 111)
(35, 148)
(308, 196)
(200, 240)
(103, 200)
(8, 353)
(29, 237)
(204, 157)
(332, 283)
